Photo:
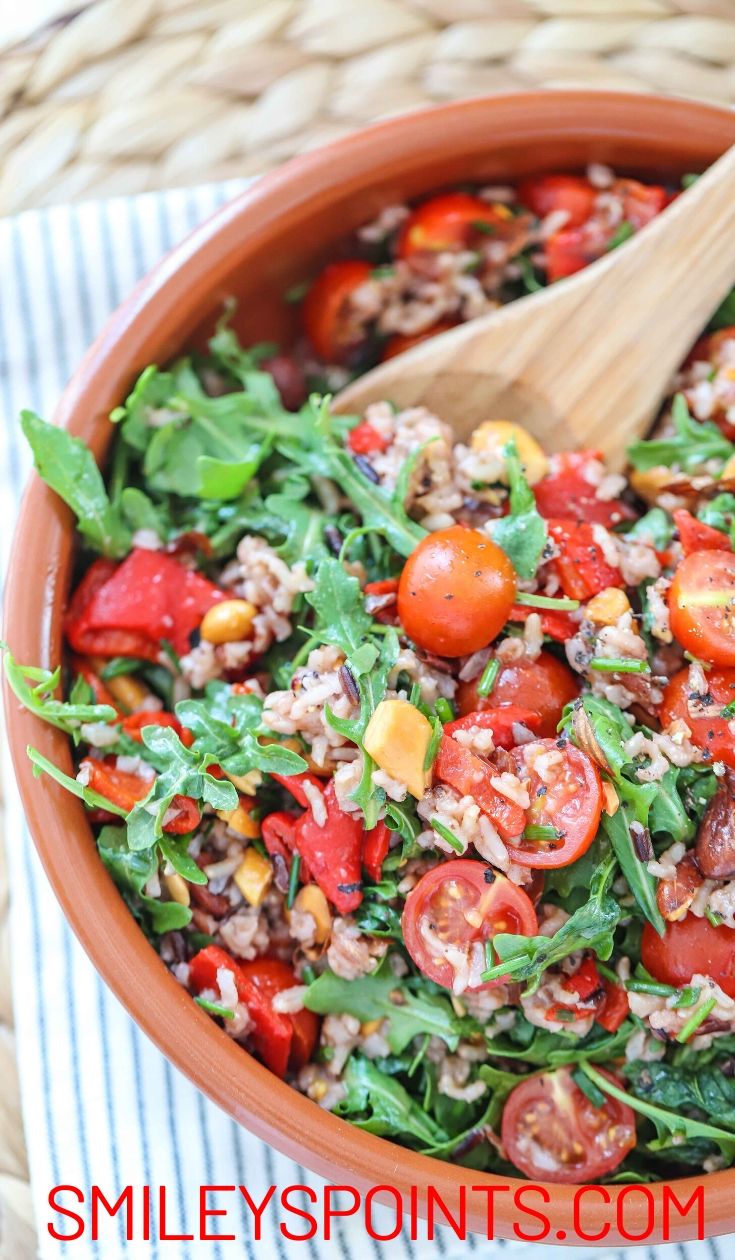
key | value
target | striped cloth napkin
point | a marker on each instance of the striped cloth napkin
(101, 1104)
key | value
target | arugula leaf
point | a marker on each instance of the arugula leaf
(379, 1104)
(152, 398)
(228, 354)
(42, 765)
(185, 775)
(226, 727)
(521, 534)
(424, 1010)
(720, 514)
(140, 512)
(691, 444)
(550, 1049)
(655, 526)
(592, 926)
(703, 1089)
(131, 872)
(66, 715)
(68, 466)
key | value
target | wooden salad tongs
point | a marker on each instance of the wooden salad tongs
(585, 362)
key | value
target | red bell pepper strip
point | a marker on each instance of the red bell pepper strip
(581, 566)
(616, 1007)
(101, 693)
(149, 597)
(375, 850)
(555, 623)
(364, 439)
(188, 816)
(500, 721)
(694, 535)
(469, 775)
(272, 1032)
(565, 493)
(125, 790)
(133, 725)
(293, 783)
(332, 850)
(585, 981)
(269, 976)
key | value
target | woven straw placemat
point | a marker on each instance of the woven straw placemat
(120, 96)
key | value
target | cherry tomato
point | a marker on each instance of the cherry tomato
(499, 721)
(641, 202)
(694, 535)
(710, 733)
(471, 775)
(566, 793)
(449, 222)
(566, 253)
(702, 605)
(688, 947)
(402, 342)
(552, 1132)
(324, 307)
(456, 591)
(581, 566)
(543, 686)
(555, 623)
(134, 723)
(452, 911)
(565, 493)
(544, 194)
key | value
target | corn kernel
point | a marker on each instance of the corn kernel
(228, 622)
(370, 1026)
(178, 889)
(490, 437)
(241, 821)
(318, 1090)
(311, 900)
(248, 783)
(649, 484)
(728, 471)
(128, 691)
(254, 877)
(608, 606)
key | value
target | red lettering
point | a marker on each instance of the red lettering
(146, 1214)
(490, 1191)
(297, 1211)
(162, 1232)
(98, 1199)
(371, 1194)
(434, 1198)
(205, 1212)
(55, 1206)
(577, 1220)
(518, 1198)
(257, 1209)
(622, 1198)
(329, 1211)
(670, 1197)
(414, 1209)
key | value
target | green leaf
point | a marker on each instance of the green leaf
(423, 1011)
(704, 1089)
(720, 514)
(140, 512)
(379, 1104)
(69, 468)
(550, 1049)
(185, 775)
(35, 690)
(521, 534)
(655, 527)
(692, 443)
(131, 872)
(226, 728)
(42, 765)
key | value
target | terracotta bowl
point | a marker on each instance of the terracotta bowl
(276, 234)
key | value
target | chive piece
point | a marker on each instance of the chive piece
(486, 229)
(297, 292)
(619, 665)
(607, 973)
(415, 694)
(214, 1008)
(383, 272)
(728, 711)
(489, 953)
(444, 710)
(308, 974)
(528, 275)
(588, 1088)
(687, 997)
(534, 832)
(432, 747)
(695, 1020)
(293, 879)
(622, 233)
(545, 601)
(447, 835)
(488, 677)
(650, 986)
(419, 1054)
(712, 917)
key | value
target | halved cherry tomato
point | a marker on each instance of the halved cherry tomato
(125, 789)
(449, 223)
(375, 850)
(544, 194)
(712, 733)
(694, 535)
(565, 789)
(616, 1008)
(565, 493)
(581, 566)
(702, 605)
(551, 1131)
(471, 775)
(364, 439)
(688, 947)
(543, 686)
(499, 721)
(324, 307)
(456, 591)
(452, 911)
(403, 341)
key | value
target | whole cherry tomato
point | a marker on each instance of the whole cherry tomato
(543, 194)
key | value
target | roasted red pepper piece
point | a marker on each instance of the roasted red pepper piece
(696, 536)
(616, 1007)
(269, 976)
(125, 790)
(469, 775)
(581, 566)
(375, 850)
(499, 721)
(565, 493)
(332, 850)
(364, 439)
(133, 725)
(272, 1033)
(385, 593)
(585, 981)
(102, 694)
(555, 623)
(147, 598)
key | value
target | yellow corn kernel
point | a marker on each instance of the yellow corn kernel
(228, 622)
(650, 484)
(317, 1090)
(311, 900)
(241, 821)
(490, 437)
(608, 606)
(728, 471)
(128, 691)
(178, 889)
(370, 1026)
(254, 877)
(248, 783)
(398, 737)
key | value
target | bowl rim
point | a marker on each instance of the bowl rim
(247, 1091)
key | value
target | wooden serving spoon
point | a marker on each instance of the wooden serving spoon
(585, 362)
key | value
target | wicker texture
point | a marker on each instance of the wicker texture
(134, 94)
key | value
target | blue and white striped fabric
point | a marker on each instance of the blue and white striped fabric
(101, 1105)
